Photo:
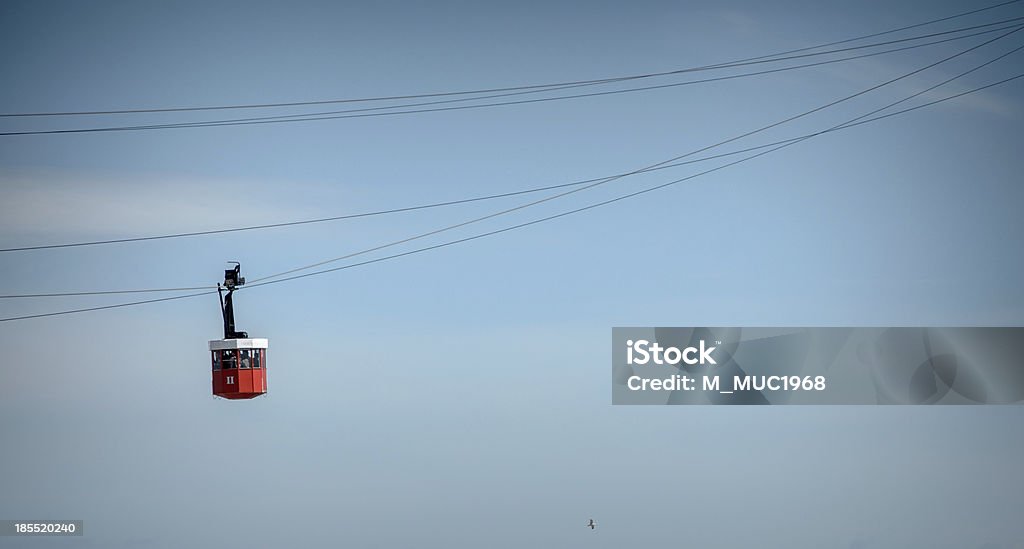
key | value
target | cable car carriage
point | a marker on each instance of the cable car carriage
(239, 362)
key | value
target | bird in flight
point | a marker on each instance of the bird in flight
(592, 524)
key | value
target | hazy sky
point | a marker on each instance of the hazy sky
(460, 398)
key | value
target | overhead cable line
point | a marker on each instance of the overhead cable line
(104, 307)
(106, 292)
(600, 181)
(393, 110)
(622, 197)
(385, 211)
(492, 90)
(643, 169)
(510, 228)
(389, 110)
(892, 31)
(381, 111)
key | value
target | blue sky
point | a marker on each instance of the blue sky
(459, 397)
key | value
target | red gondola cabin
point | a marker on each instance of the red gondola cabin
(239, 367)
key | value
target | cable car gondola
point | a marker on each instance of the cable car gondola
(239, 362)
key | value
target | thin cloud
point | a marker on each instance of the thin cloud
(53, 203)
(869, 71)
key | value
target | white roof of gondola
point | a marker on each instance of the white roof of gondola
(252, 343)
